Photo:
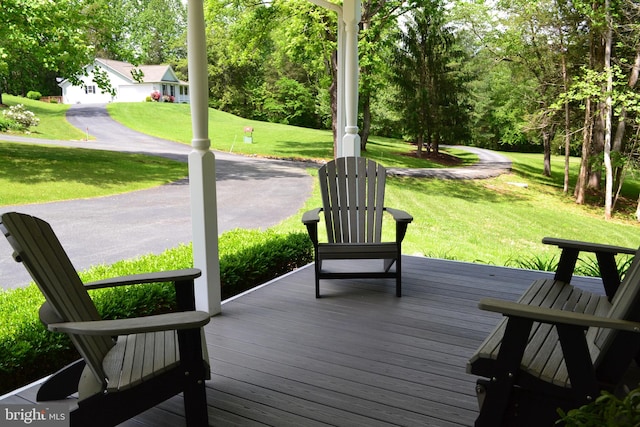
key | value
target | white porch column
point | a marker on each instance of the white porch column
(341, 86)
(348, 140)
(202, 171)
(351, 140)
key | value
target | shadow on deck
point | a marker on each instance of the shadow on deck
(359, 356)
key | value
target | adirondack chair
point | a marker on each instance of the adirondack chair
(558, 346)
(353, 203)
(127, 365)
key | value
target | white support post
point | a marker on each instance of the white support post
(351, 140)
(349, 15)
(340, 125)
(202, 171)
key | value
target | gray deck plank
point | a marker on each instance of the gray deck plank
(358, 356)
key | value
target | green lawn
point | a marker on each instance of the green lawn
(226, 131)
(53, 124)
(492, 221)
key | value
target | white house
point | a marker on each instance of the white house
(130, 84)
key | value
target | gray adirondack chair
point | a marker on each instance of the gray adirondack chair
(559, 346)
(127, 365)
(353, 204)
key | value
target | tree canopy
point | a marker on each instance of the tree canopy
(548, 76)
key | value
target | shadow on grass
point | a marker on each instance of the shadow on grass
(468, 190)
(34, 164)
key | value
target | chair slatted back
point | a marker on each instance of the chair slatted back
(625, 305)
(353, 199)
(38, 248)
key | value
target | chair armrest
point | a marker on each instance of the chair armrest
(587, 246)
(160, 322)
(311, 216)
(182, 283)
(605, 255)
(555, 316)
(176, 276)
(399, 215)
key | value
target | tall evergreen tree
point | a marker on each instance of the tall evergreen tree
(430, 88)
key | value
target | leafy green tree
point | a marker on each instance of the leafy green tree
(41, 39)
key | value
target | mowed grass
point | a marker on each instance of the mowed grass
(37, 173)
(226, 132)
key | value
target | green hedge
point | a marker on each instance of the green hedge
(247, 258)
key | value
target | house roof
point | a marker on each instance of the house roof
(151, 73)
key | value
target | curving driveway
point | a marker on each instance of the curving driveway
(251, 193)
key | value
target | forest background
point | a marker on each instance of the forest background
(546, 76)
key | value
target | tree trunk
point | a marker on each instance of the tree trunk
(596, 63)
(581, 184)
(333, 99)
(608, 194)
(366, 121)
(419, 145)
(546, 143)
(597, 147)
(618, 141)
(567, 127)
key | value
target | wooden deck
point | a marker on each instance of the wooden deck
(359, 356)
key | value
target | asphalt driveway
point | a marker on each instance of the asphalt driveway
(251, 193)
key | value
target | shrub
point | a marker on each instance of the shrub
(606, 410)
(247, 258)
(20, 115)
(6, 123)
(32, 94)
(252, 257)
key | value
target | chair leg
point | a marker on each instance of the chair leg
(195, 404)
(398, 277)
(195, 395)
(317, 271)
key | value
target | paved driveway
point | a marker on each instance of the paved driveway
(251, 193)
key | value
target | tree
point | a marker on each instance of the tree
(41, 38)
(380, 20)
(429, 91)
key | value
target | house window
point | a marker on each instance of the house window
(173, 90)
(164, 89)
(89, 89)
